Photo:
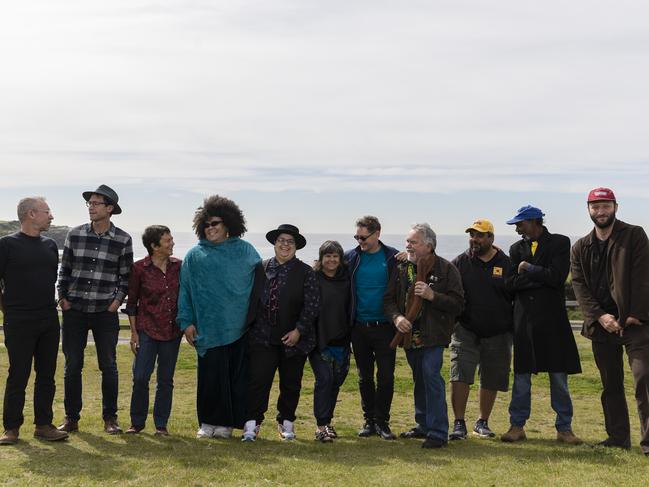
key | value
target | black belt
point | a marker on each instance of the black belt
(372, 324)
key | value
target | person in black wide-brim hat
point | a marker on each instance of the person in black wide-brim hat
(283, 308)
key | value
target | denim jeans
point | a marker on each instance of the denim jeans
(431, 412)
(105, 331)
(329, 376)
(521, 403)
(166, 353)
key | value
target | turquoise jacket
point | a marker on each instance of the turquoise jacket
(215, 284)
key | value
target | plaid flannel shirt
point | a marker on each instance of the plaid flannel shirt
(95, 268)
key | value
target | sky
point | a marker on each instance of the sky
(318, 112)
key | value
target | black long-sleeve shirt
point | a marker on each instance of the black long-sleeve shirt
(28, 270)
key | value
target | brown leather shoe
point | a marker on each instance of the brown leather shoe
(568, 437)
(69, 426)
(134, 430)
(111, 427)
(515, 433)
(48, 432)
(9, 437)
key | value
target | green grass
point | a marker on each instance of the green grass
(93, 458)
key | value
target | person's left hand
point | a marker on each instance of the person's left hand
(630, 321)
(424, 291)
(401, 256)
(291, 338)
(522, 267)
(114, 306)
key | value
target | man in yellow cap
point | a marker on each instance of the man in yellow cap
(483, 336)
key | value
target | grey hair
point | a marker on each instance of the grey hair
(27, 204)
(427, 233)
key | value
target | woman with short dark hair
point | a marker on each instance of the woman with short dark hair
(330, 359)
(151, 309)
(216, 280)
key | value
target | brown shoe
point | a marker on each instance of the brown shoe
(48, 432)
(111, 427)
(69, 426)
(133, 430)
(9, 437)
(515, 433)
(568, 437)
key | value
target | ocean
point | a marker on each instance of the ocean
(448, 246)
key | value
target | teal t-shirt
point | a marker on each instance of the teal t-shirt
(370, 281)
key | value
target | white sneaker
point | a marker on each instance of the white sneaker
(286, 431)
(205, 431)
(250, 431)
(222, 432)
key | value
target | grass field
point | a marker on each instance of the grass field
(93, 458)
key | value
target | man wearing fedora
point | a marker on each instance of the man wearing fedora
(543, 339)
(610, 276)
(93, 282)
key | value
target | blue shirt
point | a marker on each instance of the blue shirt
(370, 282)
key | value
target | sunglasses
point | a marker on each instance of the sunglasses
(213, 223)
(360, 238)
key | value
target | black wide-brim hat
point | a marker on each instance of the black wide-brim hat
(108, 193)
(300, 241)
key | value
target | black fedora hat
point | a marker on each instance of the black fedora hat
(108, 193)
(300, 241)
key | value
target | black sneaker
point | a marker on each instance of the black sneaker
(383, 430)
(331, 431)
(481, 428)
(432, 442)
(415, 432)
(459, 430)
(368, 429)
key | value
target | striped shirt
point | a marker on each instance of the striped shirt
(95, 268)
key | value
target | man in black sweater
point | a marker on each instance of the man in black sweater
(28, 264)
(483, 337)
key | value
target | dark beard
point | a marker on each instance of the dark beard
(609, 221)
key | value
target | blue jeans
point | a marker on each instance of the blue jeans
(431, 412)
(105, 331)
(329, 376)
(145, 359)
(521, 403)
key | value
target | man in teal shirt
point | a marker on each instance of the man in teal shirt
(371, 263)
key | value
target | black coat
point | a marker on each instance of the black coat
(543, 338)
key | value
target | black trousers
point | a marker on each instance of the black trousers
(28, 340)
(371, 344)
(608, 357)
(221, 391)
(263, 362)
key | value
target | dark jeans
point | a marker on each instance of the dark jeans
(329, 376)
(372, 344)
(26, 340)
(221, 392)
(263, 362)
(166, 353)
(431, 412)
(608, 357)
(105, 331)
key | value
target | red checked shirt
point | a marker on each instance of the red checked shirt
(153, 298)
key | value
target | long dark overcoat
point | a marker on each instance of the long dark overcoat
(543, 339)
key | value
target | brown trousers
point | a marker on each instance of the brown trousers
(608, 351)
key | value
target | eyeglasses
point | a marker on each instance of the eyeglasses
(285, 241)
(361, 238)
(213, 223)
(92, 204)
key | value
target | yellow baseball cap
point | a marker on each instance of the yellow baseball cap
(481, 225)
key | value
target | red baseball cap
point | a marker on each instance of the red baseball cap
(601, 194)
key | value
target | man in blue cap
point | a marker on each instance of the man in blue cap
(543, 338)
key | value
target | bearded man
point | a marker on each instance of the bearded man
(610, 276)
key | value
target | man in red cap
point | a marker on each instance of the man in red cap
(610, 276)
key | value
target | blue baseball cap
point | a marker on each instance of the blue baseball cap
(527, 212)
